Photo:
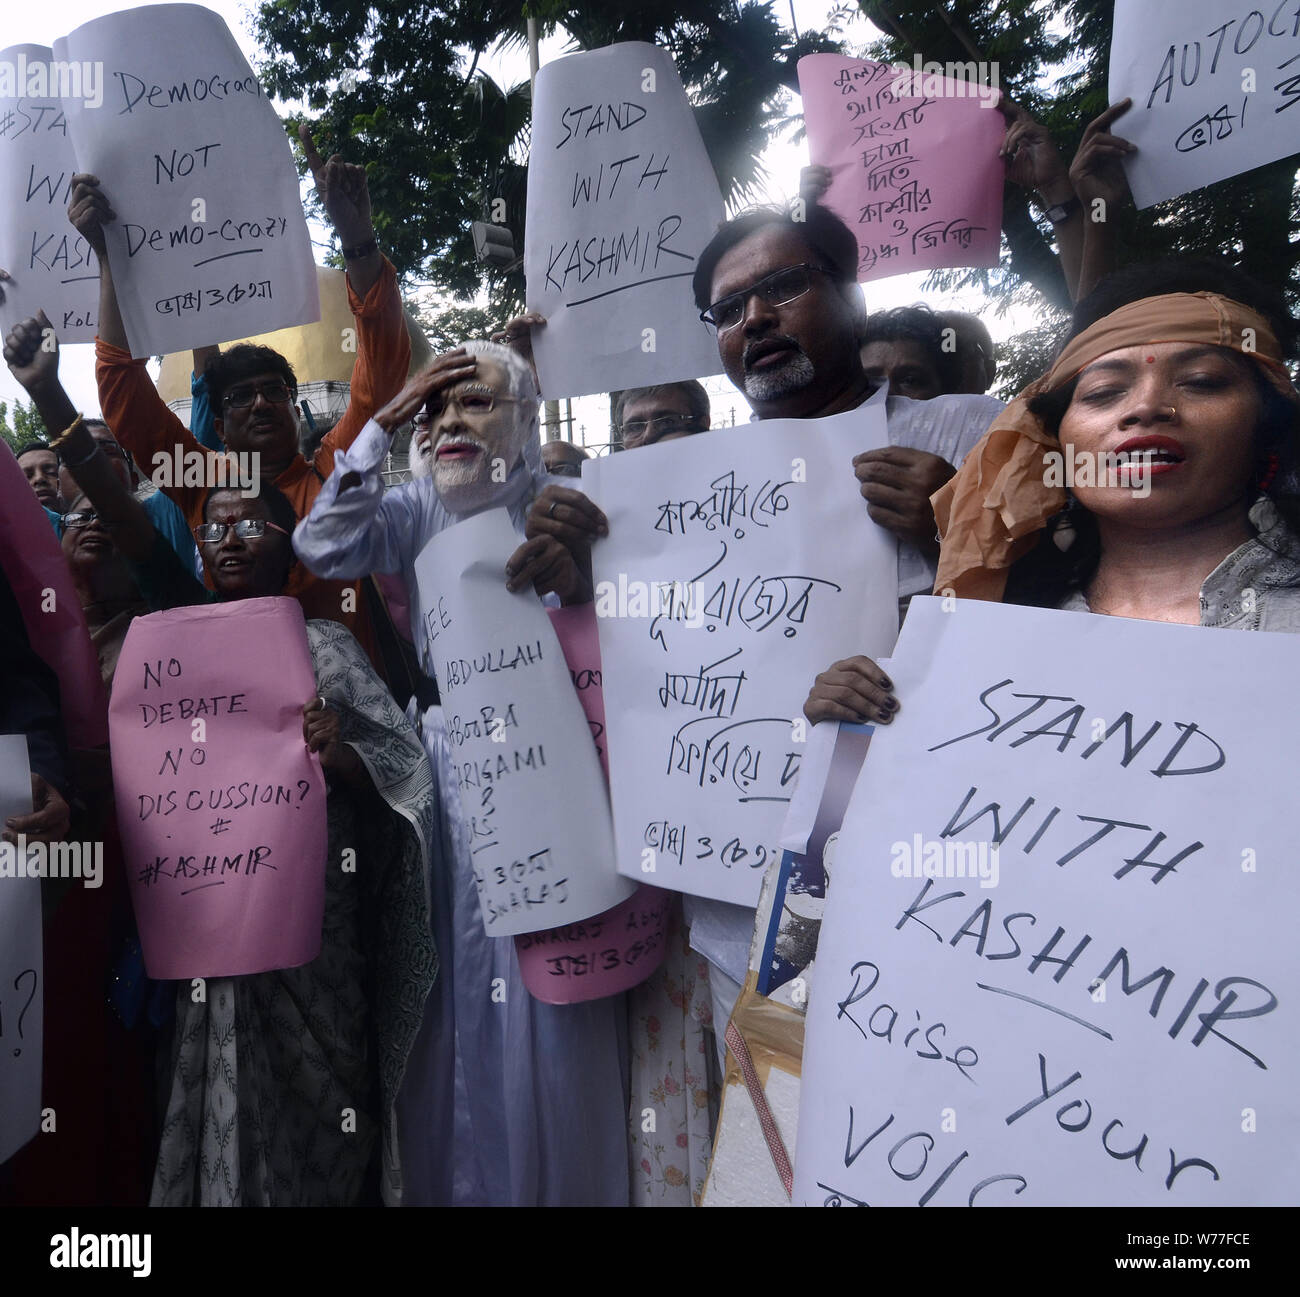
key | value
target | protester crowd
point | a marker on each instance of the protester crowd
(466, 1089)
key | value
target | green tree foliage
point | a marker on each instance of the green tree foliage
(398, 86)
(452, 325)
(1024, 356)
(20, 425)
(1053, 58)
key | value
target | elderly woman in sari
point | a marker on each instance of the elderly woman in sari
(513, 1102)
(1172, 388)
(262, 1067)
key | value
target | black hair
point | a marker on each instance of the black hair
(1046, 574)
(35, 444)
(697, 399)
(229, 368)
(921, 325)
(1185, 275)
(826, 236)
(277, 504)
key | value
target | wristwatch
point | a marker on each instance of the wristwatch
(1062, 211)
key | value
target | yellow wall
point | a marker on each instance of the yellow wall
(312, 349)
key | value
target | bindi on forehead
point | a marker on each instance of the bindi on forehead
(1130, 359)
(231, 507)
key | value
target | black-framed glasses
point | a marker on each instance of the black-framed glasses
(660, 426)
(80, 518)
(776, 289)
(209, 533)
(241, 397)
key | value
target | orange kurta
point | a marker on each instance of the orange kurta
(141, 421)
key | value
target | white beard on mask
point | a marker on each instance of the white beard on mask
(474, 481)
(419, 457)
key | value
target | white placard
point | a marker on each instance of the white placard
(739, 564)
(1215, 86)
(1104, 1011)
(622, 199)
(210, 241)
(22, 981)
(530, 781)
(51, 266)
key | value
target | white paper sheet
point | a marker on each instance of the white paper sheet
(738, 565)
(530, 780)
(1122, 951)
(210, 241)
(22, 980)
(622, 199)
(52, 267)
(1215, 86)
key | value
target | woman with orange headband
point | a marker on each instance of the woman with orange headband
(1153, 472)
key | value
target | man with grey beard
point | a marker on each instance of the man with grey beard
(783, 297)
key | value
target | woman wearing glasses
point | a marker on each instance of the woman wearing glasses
(260, 1071)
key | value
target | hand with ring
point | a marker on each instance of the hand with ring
(569, 517)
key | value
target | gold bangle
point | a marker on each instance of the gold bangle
(66, 433)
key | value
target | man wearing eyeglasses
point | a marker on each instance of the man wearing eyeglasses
(564, 458)
(163, 512)
(784, 300)
(252, 389)
(665, 412)
(789, 314)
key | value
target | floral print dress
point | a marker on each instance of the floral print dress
(675, 1082)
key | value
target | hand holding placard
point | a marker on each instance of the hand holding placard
(913, 160)
(211, 242)
(622, 198)
(539, 829)
(21, 969)
(52, 268)
(221, 808)
(1211, 82)
(1025, 963)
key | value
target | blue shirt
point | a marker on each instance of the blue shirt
(168, 520)
(202, 424)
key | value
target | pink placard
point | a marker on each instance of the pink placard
(613, 952)
(620, 948)
(34, 564)
(223, 825)
(914, 161)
